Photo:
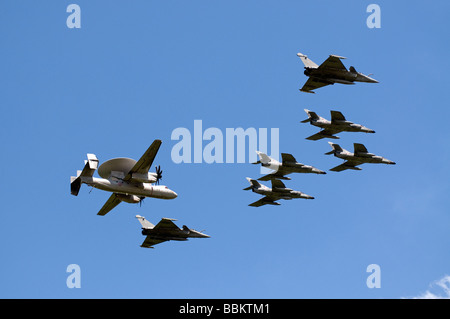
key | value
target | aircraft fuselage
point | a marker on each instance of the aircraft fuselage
(332, 76)
(281, 193)
(346, 126)
(363, 158)
(290, 167)
(121, 187)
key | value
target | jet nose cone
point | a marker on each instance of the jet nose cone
(174, 195)
(392, 163)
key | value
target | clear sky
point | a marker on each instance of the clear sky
(137, 70)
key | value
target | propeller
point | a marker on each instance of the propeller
(141, 200)
(158, 174)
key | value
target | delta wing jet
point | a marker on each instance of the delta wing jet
(165, 230)
(128, 180)
(329, 72)
(358, 157)
(287, 166)
(337, 124)
(271, 195)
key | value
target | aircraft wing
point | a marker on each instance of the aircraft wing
(277, 175)
(264, 201)
(285, 157)
(333, 62)
(359, 148)
(166, 224)
(149, 242)
(276, 183)
(145, 162)
(112, 202)
(337, 116)
(313, 84)
(326, 133)
(346, 165)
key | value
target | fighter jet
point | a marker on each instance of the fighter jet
(288, 165)
(358, 157)
(165, 230)
(278, 191)
(329, 72)
(128, 180)
(337, 124)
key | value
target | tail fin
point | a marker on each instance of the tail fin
(335, 147)
(91, 164)
(311, 116)
(145, 223)
(75, 185)
(253, 183)
(264, 159)
(307, 62)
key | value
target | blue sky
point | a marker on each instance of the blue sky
(136, 71)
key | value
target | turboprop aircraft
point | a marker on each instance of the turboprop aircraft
(358, 157)
(337, 124)
(129, 180)
(165, 230)
(278, 191)
(287, 166)
(329, 72)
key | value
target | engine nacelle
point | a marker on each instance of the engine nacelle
(132, 199)
(144, 178)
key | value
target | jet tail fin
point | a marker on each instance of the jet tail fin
(335, 147)
(253, 183)
(75, 185)
(264, 158)
(90, 165)
(311, 116)
(145, 223)
(306, 61)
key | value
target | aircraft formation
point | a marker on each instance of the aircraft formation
(331, 71)
(131, 181)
